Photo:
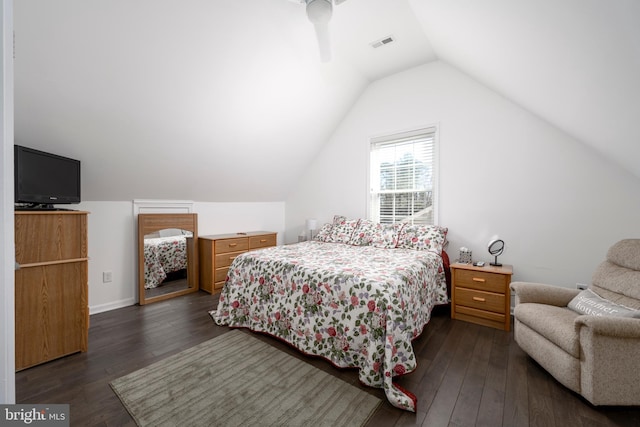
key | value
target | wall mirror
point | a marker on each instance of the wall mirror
(167, 256)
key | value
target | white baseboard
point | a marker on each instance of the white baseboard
(111, 306)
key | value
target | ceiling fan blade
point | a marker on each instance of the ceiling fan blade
(319, 13)
(324, 41)
(335, 2)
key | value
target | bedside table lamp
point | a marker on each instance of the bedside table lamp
(312, 224)
(496, 247)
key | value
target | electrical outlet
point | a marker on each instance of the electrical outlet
(581, 286)
(107, 276)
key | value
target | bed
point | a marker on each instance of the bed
(356, 298)
(163, 255)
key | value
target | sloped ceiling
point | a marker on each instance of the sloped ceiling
(575, 63)
(226, 100)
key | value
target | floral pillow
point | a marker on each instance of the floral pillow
(324, 235)
(386, 235)
(342, 229)
(423, 237)
(365, 232)
(339, 219)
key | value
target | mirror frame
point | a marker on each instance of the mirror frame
(151, 223)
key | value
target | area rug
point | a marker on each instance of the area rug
(237, 380)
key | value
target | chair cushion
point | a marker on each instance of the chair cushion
(554, 323)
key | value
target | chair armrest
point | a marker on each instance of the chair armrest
(612, 326)
(542, 294)
(609, 373)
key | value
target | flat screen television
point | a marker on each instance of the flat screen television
(44, 179)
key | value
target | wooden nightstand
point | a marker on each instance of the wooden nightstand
(481, 295)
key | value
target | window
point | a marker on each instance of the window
(403, 178)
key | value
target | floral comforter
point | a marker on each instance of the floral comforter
(163, 255)
(357, 306)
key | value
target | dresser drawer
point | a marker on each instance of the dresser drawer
(220, 274)
(232, 245)
(481, 280)
(225, 259)
(264, 241)
(218, 286)
(481, 300)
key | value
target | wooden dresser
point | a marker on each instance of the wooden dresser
(481, 294)
(217, 252)
(51, 286)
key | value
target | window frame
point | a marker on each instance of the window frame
(433, 130)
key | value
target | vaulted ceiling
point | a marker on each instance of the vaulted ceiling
(227, 100)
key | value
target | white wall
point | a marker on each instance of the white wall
(554, 201)
(113, 242)
(217, 218)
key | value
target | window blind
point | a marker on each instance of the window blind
(402, 168)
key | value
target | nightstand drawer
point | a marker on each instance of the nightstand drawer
(481, 280)
(481, 300)
(481, 317)
(225, 259)
(265, 241)
(232, 245)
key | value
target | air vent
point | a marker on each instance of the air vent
(382, 42)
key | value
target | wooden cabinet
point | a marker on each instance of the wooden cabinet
(51, 286)
(217, 252)
(481, 295)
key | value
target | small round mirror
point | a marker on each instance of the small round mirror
(496, 247)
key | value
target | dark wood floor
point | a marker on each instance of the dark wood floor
(467, 375)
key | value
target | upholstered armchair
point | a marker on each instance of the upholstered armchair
(588, 340)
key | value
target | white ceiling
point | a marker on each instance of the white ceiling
(226, 100)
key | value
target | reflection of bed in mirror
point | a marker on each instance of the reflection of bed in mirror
(165, 257)
(167, 262)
